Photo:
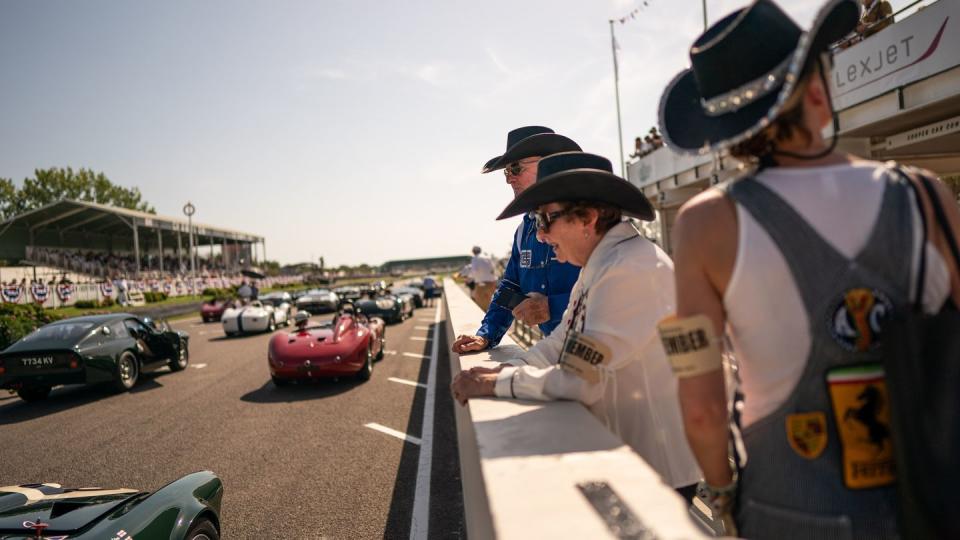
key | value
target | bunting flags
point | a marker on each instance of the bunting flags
(11, 293)
(633, 14)
(40, 291)
(65, 292)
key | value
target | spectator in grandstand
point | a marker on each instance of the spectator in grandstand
(637, 148)
(875, 16)
(605, 353)
(799, 260)
(656, 141)
(532, 269)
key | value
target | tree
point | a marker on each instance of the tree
(53, 184)
(10, 202)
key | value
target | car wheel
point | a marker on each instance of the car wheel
(128, 371)
(33, 393)
(367, 370)
(203, 530)
(183, 358)
(279, 382)
(271, 325)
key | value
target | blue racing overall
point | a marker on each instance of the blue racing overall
(821, 466)
(533, 267)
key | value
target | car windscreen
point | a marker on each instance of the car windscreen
(65, 331)
(317, 292)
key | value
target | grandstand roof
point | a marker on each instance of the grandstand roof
(454, 260)
(82, 216)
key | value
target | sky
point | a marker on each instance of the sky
(349, 129)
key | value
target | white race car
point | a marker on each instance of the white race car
(257, 316)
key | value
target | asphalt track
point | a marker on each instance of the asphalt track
(296, 462)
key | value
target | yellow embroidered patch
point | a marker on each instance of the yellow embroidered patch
(807, 433)
(861, 409)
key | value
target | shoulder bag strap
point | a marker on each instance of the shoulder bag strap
(941, 217)
(922, 263)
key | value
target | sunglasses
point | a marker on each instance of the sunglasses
(517, 167)
(546, 219)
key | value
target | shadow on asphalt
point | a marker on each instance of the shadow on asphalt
(446, 515)
(236, 338)
(15, 410)
(270, 393)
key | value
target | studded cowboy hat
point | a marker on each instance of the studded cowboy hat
(530, 141)
(579, 176)
(743, 70)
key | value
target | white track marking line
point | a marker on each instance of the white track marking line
(420, 522)
(391, 353)
(406, 382)
(421, 327)
(198, 366)
(392, 432)
(420, 338)
(416, 355)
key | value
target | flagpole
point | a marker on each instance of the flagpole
(704, 15)
(616, 87)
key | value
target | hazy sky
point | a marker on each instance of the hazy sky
(351, 129)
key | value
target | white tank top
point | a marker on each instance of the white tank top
(766, 319)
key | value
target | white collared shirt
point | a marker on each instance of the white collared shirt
(626, 287)
(481, 270)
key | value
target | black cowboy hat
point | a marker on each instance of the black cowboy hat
(744, 68)
(579, 176)
(530, 141)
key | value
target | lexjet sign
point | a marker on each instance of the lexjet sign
(922, 45)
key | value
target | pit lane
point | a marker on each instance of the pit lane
(296, 462)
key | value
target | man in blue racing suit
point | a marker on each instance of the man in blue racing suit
(533, 270)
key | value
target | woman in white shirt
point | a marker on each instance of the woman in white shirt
(605, 353)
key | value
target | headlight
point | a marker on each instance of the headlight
(383, 303)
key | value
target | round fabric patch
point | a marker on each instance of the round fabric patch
(857, 320)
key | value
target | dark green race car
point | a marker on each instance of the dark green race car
(113, 349)
(187, 509)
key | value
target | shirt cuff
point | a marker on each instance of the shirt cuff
(516, 362)
(504, 386)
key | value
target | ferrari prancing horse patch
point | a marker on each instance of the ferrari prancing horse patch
(861, 410)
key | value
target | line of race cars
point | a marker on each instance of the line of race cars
(115, 349)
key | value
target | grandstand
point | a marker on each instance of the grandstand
(100, 240)
(435, 264)
(906, 107)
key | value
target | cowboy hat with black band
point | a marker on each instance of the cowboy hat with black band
(744, 69)
(530, 141)
(579, 176)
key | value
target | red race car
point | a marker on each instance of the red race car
(213, 309)
(348, 345)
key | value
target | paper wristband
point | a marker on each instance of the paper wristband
(690, 345)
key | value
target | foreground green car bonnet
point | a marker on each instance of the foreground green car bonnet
(106, 514)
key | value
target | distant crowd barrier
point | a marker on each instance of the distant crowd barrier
(55, 295)
(550, 470)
